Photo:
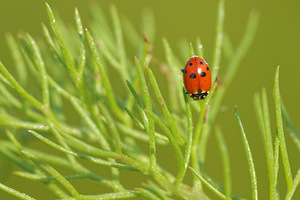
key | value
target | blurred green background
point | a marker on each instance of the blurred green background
(277, 42)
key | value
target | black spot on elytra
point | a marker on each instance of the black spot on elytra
(207, 68)
(193, 75)
(202, 74)
(191, 64)
(201, 63)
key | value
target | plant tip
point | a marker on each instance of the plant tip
(7, 34)
(145, 37)
(144, 184)
(235, 106)
(254, 14)
(29, 131)
(217, 79)
(46, 4)
(112, 6)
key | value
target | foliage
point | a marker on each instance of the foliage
(71, 70)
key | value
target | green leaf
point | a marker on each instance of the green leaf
(202, 128)
(157, 190)
(164, 107)
(148, 24)
(192, 52)
(85, 147)
(5, 150)
(110, 57)
(79, 155)
(65, 53)
(225, 162)
(52, 46)
(108, 196)
(15, 192)
(131, 34)
(84, 114)
(80, 32)
(275, 194)
(113, 129)
(174, 145)
(134, 119)
(13, 139)
(249, 157)
(294, 187)
(105, 80)
(102, 26)
(210, 186)
(283, 148)
(38, 60)
(17, 58)
(294, 134)
(264, 121)
(227, 47)
(149, 123)
(21, 91)
(176, 82)
(140, 135)
(54, 173)
(219, 39)
(268, 139)
(199, 49)
(120, 43)
(189, 142)
(146, 193)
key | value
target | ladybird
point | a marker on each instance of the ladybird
(197, 78)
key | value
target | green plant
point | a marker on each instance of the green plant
(72, 70)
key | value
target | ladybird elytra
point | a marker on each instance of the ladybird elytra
(197, 78)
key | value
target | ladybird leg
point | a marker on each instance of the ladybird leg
(182, 70)
(203, 95)
(186, 93)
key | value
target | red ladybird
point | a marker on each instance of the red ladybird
(197, 78)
